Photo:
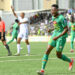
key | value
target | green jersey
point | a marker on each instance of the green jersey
(15, 28)
(59, 23)
(72, 26)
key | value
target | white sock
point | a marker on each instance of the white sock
(18, 48)
(28, 47)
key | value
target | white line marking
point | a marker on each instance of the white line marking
(31, 55)
(29, 60)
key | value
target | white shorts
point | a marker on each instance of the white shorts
(23, 35)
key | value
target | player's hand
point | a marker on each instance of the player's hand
(2, 38)
(19, 23)
(55, 38)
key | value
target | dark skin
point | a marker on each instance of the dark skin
(55, 13)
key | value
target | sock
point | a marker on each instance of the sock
(18, 48)
(44, 61)
(7, 47)
(65, 58)
(28, 46)
(72, 45)
(10, 41)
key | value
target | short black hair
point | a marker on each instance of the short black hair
(16, 20)
(55, 5)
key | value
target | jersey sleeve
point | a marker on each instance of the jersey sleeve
(64, 22)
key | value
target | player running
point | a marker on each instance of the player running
(2, 36)
(15, 31)
(23, 31)
(58, 39)
(72, 26)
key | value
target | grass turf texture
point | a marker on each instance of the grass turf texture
(28, 65)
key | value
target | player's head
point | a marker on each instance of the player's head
(22, 14)
(54, 9)
(16, 20)
(0, 19)
(72, 18)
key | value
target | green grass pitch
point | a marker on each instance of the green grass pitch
(28, 65)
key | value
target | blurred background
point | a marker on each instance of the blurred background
(38, 13)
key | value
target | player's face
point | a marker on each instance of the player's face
(22, 15)
(54, 11)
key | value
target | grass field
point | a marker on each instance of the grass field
(28, 65)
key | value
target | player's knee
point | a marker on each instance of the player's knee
(18, 41)
(27, 42)
(59, 55)
(4, 43)
(47, 51)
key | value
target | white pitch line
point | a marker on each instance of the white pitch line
(18, 56)
(29, 60)
(31, 55)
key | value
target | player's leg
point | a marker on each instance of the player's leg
(72, 46)
(45, 59)
(16, 40)
(51, 45)
(11, 40)
(59, 47)
(4, 43)
(18, 44)
(28, 46)
(27, 42)
(16, 36)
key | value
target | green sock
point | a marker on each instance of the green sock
(65, 58)
(10, 41)
(44, 61)
(72, 45)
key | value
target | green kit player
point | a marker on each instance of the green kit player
(15, 31)
(58, 39)
(72, 26)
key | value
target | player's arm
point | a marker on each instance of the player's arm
(23, 22)
(14, 12)
(2, 33)
(64, 32)
(50, 30)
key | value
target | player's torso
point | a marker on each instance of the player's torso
(72, 28)
(1, 26)
(57, 24)
(23, 27)
(58, 28)
(15, 28)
